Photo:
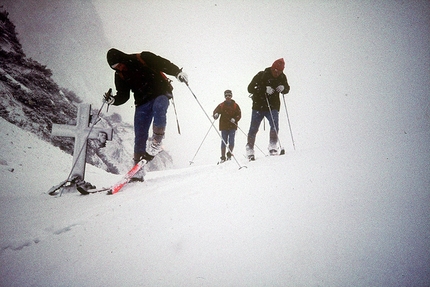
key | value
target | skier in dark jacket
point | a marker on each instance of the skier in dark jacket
(265, 88)
(143, 74)
(230, 116)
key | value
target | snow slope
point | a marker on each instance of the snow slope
(349, 207)
(356, 216)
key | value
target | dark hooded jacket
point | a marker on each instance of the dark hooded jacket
(257, 88)
(144, 76)
(228, 111)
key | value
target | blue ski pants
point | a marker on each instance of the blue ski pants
(256, 118)
(154, 110)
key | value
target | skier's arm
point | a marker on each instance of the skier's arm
(122, 91)
(217, 112)
(160, 63)
(239, 114)
(255, 87)
(286, 86)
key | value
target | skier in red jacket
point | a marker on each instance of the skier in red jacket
(230, 116)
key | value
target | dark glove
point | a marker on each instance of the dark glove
(216, 116)
(108, 97)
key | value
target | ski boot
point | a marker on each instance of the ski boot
(140, 175)
(250, 153)
(273, 145)
(229, 155)
(222, 159)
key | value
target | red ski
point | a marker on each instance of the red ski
(120, 184)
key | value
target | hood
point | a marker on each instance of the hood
(115, 56)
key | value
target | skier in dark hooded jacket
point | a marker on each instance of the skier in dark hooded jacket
(143, 74)
(265, 88)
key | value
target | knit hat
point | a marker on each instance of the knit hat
(228, 93)
(115, 56)
(279, 64)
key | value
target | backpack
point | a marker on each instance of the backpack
(167, 81)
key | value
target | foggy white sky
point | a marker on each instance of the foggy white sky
(355, 67)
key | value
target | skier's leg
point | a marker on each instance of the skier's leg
(224, 136)
(159, 110)
(274, 129)
(142, 122)
(231, 136)
(256, 119)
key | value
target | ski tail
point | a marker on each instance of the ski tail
(54, 190)
(120, 184)
(89, 191)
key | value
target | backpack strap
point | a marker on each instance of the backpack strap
(139, 58)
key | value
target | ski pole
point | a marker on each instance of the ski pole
(192, 161)
(176, 115)
(212, 124)
(274, 125)
(288, 119)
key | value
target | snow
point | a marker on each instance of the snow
(356, 216)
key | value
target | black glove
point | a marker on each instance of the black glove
(108, 97)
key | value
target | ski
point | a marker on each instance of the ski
(120, 184)
(84, 191)
(275, 152)
(221, 161)
(53, 190)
